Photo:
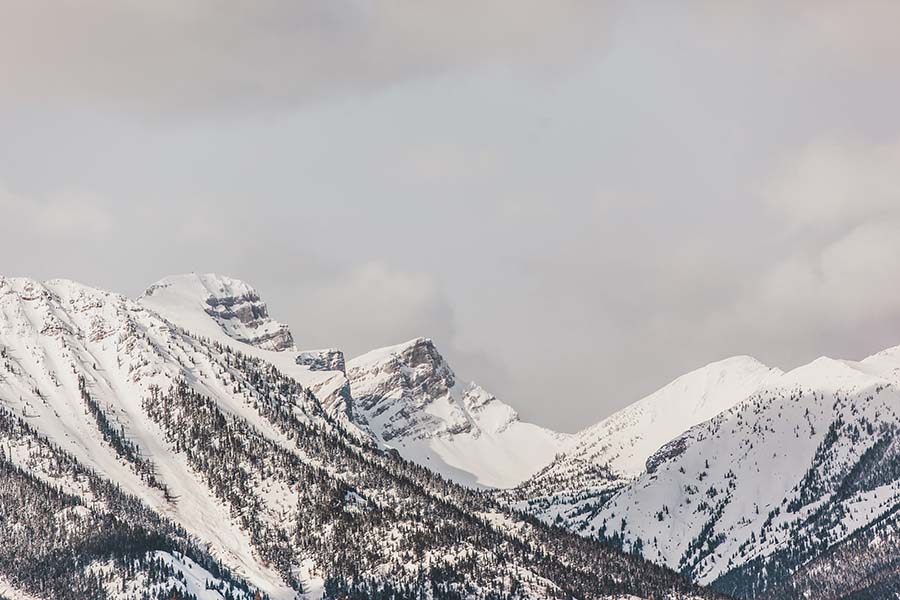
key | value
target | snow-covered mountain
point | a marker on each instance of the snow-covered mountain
(147, 446)
(601, 459)
(181, 443)
(409, 397)
(782, 478)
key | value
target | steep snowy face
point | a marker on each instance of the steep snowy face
(747, 497)
(232, 304)
(409, 397)
(606, 456)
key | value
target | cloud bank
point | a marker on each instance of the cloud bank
(202, 55)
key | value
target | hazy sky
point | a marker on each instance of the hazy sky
(578, 201)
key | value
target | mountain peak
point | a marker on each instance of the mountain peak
(415, 352)
(411, 399)
(688, 400)
(233, 305)
(614, 451)
(408, 378)
(202, 286)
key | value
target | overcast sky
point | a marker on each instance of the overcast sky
(578, 201)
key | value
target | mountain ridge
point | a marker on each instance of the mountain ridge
(286, 471)
(218, 438)
(603, 458)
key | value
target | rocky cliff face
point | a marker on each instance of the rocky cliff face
(410, 399)
(253, 316)
(330, 359)
(404, 392)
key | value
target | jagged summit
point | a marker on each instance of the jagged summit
(419, 350)
(232, 304)
(430, 373)
(411, 399)
(393, 385)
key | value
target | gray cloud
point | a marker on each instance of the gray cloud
(836, 286)
(202, 55)
(833, 183)
(368, 305)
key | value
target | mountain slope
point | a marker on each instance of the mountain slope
(67, 533)
(220, 439)
(605, 457)
(746, 498)
(409, 397)
(865, 566)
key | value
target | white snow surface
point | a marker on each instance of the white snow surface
(731, 442)
(625, 440)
